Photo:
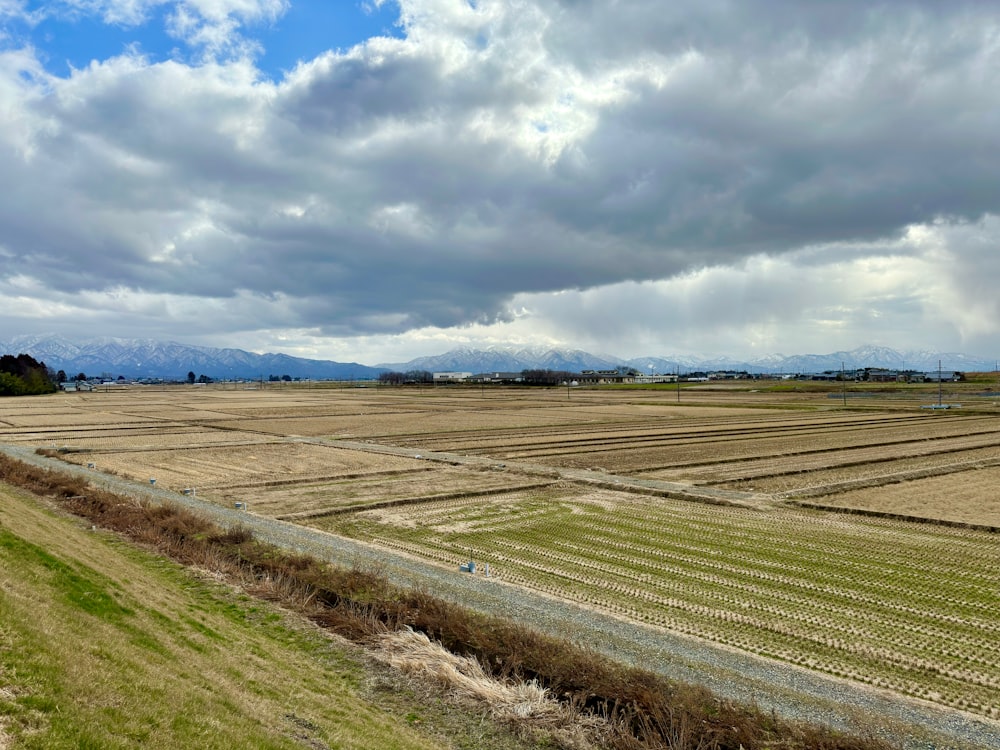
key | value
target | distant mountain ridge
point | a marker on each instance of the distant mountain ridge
(515, 359)
(509, 359)
(148, 358)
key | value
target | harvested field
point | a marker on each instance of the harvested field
(42, 421)
(208, 468)
(417, 427)
(816, 482)
(969, 497)
(916, 613)
(880, 458)
(145, 438)
(306, 501)
(524, 478)
(691, 441)
(298, 409)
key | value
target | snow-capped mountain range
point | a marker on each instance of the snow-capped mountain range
(139, 358)
(147, 358)
(514, 359)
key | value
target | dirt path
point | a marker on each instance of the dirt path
(789, 691)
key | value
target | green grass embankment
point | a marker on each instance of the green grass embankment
(103, 645)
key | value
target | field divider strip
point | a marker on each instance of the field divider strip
(342, 510)
(893, 516)
(327, 478)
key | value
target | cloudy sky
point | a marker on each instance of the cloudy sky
(376, 180)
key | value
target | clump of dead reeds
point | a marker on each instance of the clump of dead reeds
(414, 653)
(513, 702)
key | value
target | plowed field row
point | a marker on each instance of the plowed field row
(144, 439)
(218, 467)
(86, 419)
(321, 496)
(58, 434)
(644, 460)
(316, 408)
(588, 436)
(393, 427)
(836, 465)
(827, 436)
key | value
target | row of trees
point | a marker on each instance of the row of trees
(530, 377)
(23, 375)
(410, 376)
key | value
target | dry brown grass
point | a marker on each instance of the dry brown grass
(414, 653)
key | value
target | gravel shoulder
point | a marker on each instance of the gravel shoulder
(789, 691)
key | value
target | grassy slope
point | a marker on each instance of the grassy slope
(105, 646)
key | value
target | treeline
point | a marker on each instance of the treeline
(24, 376)
(546, 377)
(528, 377)
(410, 376)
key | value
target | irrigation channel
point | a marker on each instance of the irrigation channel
(787, 690)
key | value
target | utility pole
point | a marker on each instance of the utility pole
(843, 377)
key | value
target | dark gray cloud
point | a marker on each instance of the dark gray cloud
(496, 153)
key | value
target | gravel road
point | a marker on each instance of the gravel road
(789, 691)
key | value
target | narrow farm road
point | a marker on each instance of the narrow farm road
(789, 691)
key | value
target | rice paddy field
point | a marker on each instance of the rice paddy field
(856, 539)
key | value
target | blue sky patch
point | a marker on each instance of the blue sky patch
(310, 28)
(64, 41)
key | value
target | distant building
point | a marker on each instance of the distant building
(880, 375)
(643, 378)
(943, 377)
(451, 377)
(606, 377)
(497, 377)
